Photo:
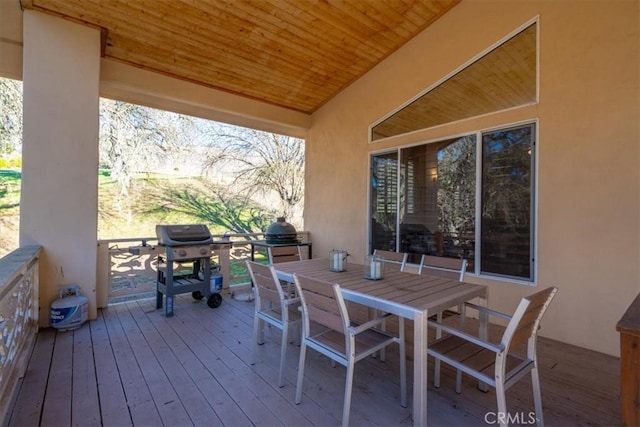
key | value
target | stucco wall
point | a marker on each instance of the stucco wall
(588, 163)
(59, 197)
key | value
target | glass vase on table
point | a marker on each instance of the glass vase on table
(373, 267)
(338, 260)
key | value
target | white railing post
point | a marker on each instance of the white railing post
(103, 275)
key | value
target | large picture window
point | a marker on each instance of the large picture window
(440, 199)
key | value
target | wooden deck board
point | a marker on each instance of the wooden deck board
(142, 409)
(56, 409)
(165, 397)
(28, 407)
(140, 368)
(113, 401)
(85, 407)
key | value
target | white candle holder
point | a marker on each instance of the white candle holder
(338, 260)
(373, 267)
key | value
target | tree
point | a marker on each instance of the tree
(263, 163)
(134, 138)
(213, 205)
(457, 185)
(10, 117)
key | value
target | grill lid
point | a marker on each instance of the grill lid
(180, 235)
(281, 232)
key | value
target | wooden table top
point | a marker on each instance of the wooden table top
(399, 292)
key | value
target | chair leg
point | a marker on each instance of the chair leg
(303, 354)
(439, 320)
(537, 396)
(283, 353)
(298, 333)
(260, 331)
(502, 403)
(347, 394)
(256, 338)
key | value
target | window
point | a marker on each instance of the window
(506, 242)
(424, 201)
(502, 78)
(384, 201)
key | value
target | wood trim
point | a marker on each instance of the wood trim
(629, 328)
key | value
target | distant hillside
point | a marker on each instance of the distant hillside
(152, 199)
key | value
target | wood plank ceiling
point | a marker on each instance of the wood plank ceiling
(296, 54)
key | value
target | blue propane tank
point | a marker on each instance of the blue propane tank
(70, 311)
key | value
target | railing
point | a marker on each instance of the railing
(18, 317)
(123, 274)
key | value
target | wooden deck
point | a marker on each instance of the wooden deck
(133, 366)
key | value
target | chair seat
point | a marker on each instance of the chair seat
(476, 360)
(274, 315)
(367, 342)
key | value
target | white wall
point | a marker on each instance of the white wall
(58, 207)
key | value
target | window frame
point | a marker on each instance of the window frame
(534, 198)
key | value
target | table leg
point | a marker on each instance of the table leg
(420, 369)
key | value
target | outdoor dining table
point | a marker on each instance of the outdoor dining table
(410, 296)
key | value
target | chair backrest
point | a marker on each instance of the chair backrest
(284, 253)
(525, 322)
(322, 303)
(399, 259)
(448, 268)
(266, 286)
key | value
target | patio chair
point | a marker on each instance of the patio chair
(284, 253)
(497, 365)
(327, 328)
(394, 259)
(447, 268)
(275, 307)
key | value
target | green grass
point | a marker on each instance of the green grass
(134, 214)
(137, 213)
(9, 188)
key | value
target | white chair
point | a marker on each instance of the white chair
(337, 337)
(497, 365)
(284, 253)
(274, 306)
(397, 259)
(438, 266)
(447, 268)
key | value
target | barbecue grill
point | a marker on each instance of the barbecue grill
(184, 264)
(281, 232)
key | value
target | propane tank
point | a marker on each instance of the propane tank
(70, 310)
(216, 281)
